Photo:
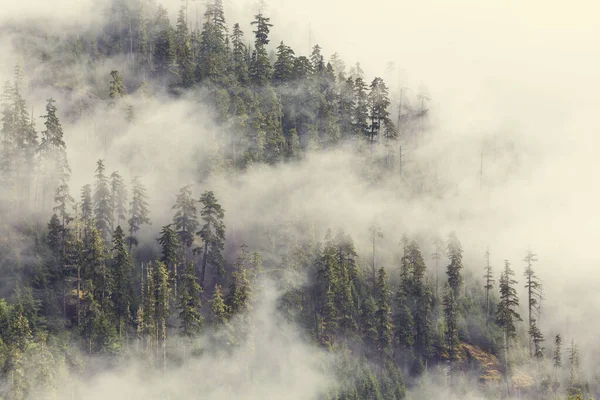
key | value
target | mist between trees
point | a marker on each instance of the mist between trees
(201, 212)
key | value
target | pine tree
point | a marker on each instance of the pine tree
(86, 207)
(284, 66)
(165, 58)
(361, 109)
(489, 283)
(379, 116)
(453, 270)
(162, 292)
(52, 153)
(139, 212)
(260, 67)
(212, 235)
(122, 292)
(574, 364)
(451, 338)
(534, 296)
(103, 211)
(186, 217)
(369, 325)
(238, 59)
(506, 313)
(212, 55)
(384, 321)
(169, 243)
(95, 269)
(537, 338)
(238, 300)
(183, 50)
(557, 354)
(117, 89)
(118, 195)
(189, 302)
(218, 307)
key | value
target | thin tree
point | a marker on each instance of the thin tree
(506, 313)
(212, 234)
(139, 212)
(534, 295)
(489, 283)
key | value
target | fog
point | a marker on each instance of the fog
(523, 75)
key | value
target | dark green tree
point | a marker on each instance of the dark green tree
(506, 312)
(189, 302)
(534, 297)
(170, 254)
(122, 291)
(212, 235)
(138, 211)
(103, 211)
(117, 88)
(260, 67)
(454, 269)
(118, 196)
(451, 338)
(384, 321)
(186, 217)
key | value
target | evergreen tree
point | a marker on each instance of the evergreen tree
(212, 235)
(361, 109)
(489, 282)
(238, 59)
(162, 291)
(537, 338)
(557, 354)
(369, 325)
(284, 66)
(212, 56)
(164, 55)
(183, 50)
(186, 217)
(86, 206)
(118, 196)
(122, 292)
(453, 270)
(379, 116)
(170, 256)
(451, 338)
(189, 302)
(117, 89)
(534, 296)
(139, 212)
(238, 300)
(384, 321)
(260, 67)
(103, 211)
(52, 153)
(506, 313)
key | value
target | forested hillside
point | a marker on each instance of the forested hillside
(114, 286)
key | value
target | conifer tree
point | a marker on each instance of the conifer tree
(122, 292)
(212, 235)
(369, 325)
(379, 116)
(118, 196)
(506, 313)
(534, 296)
(86, 207)
(103, 211)
(284, 66)
(260, 67)
(489, 282)
(238, 299)
(117, 89)
(162, 292)
(361, 109)
(537, 338)
(453, 270)
(169, 243)
(139, 212)
(183, 50)
(212, 56)
(189, 302)
(451, 338)
(238, 59)
(186, 217)
(52, 153)
(164, 55)
(384, 321)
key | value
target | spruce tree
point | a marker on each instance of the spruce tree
(284, 66)
(160, 278)
(489, 283)
(260, 67)
(183, 50)
(212, 235)
(122, 291)
(238, 59)
(103, 211)
(138, 211)
(186, 217)
(189, 302)
(212, 55)
(454, 269)
(451, 338)
(164, 55)
(369, 326)
(170, 254)
(118, 196)
(534, 297)
(384, 321)
(117, 89)
(506, 313)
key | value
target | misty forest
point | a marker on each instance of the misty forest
(189, 209)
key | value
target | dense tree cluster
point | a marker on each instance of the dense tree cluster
(91, 282)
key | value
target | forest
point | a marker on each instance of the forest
(141, 281)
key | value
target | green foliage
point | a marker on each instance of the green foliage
(212, 235)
